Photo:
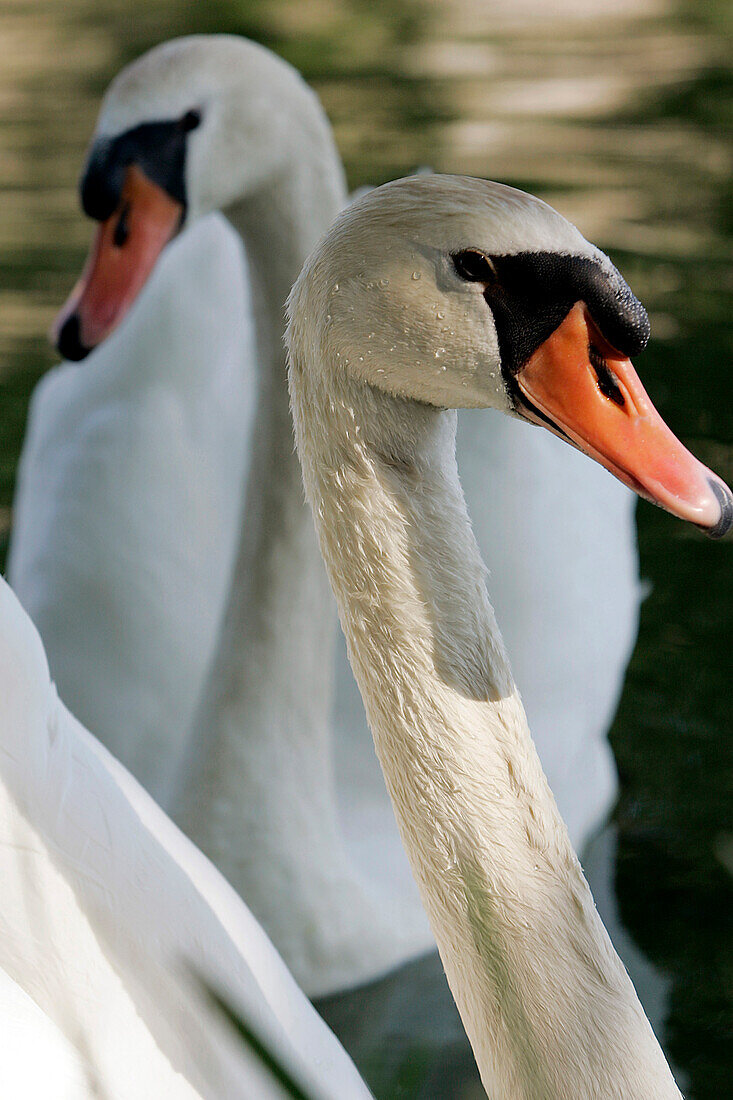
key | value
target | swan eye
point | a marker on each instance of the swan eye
(190, 121)
(474, 267)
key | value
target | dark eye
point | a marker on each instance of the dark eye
(190, 121)
(474, 267)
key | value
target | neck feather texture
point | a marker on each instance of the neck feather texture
(547, 1004)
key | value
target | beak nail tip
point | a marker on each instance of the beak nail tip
(68, 340)
(724, 498)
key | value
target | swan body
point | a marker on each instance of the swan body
(234, 724)
(128, 504)
(108, 913)
(440, 292)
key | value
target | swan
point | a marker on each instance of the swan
(256, 790)
(279, 783)
(431, 294)
(108, 912)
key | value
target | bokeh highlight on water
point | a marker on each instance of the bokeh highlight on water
(618, 114)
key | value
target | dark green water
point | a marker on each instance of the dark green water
(619, 119)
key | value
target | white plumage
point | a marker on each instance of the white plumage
(107, 913)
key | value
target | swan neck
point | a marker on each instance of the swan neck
(546, 1002)
(279, 225)
(259, 766)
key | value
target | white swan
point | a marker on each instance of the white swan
(108, 910)
(252, 140)
(432, 293)
(260, 795)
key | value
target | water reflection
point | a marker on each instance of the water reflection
(617, 118)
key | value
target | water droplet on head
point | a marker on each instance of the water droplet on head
(439, 353)
(416, 275)
(440, 315)
(384, 282)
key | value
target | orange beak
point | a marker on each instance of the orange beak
(124, 252)
(583, 389)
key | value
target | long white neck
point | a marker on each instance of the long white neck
(269, 673)
(546, 1003)
(258, 792)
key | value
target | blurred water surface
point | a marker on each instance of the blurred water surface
(619, 115)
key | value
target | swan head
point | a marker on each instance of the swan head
(196, 124)
(461, 293)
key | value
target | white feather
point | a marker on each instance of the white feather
(108, 912)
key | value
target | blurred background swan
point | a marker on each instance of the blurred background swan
(515, 94)
(198, 655)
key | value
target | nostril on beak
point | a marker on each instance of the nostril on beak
(69, 342)
(606, 379)
(724, 498)
(122, 229)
